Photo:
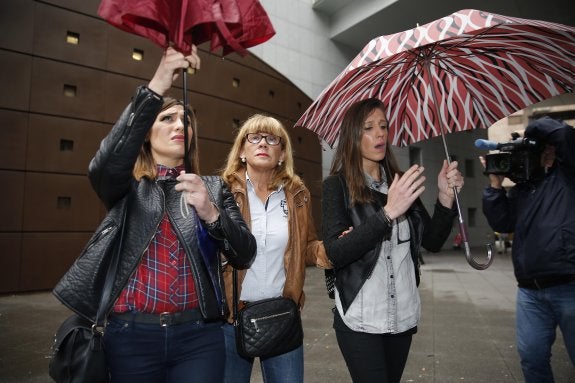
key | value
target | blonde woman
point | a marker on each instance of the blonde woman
(276, 205)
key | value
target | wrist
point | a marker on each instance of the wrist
(155, 89)
(214, 218)
(387, 217)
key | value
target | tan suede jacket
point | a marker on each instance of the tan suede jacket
(303, 246)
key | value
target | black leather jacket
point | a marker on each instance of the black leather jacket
(354, 255)
(110, 173)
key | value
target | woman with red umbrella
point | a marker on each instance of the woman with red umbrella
(165, 322)
(384, 224)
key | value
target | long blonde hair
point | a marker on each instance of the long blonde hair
(146, 166)
(284, 174)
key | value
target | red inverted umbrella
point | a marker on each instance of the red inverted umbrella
(232, 25)
(464, 71)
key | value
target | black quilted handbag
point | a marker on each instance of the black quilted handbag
(268, 327)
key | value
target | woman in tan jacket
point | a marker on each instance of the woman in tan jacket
(276, 205)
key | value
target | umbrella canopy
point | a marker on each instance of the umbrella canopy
(232, 25)
(464, 71)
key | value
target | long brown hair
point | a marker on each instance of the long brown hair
(284, 174)
(348, 160)
(145, 165)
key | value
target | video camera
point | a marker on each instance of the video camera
(519, 159)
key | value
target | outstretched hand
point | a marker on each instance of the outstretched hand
(170, 65)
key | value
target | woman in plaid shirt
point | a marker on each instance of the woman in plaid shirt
(166, 321)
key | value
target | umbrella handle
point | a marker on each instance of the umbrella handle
(463, 231)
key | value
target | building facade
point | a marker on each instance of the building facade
(66, 75)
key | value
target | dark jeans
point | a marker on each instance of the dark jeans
(190, 352)
(372, 357)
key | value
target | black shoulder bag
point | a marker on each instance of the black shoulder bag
(268, 327)
(78, 350)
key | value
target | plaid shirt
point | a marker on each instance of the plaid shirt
(163, 280)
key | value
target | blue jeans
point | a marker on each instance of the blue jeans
(285, 368)
(539, 312)
(146, 353)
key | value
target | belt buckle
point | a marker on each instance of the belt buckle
(165, 319)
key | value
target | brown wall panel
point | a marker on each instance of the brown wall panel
(47, 92)
(305, 144)
(62, 145)
(52, 27)
(47, 256)
(217, 78)
(85, 6)
(55, 202)
(311, 175)
(214, 155)
(118, 91)
(15, 77)
(10, 243)
(13, 134)
(11, 200)
(216, 117)
(17, 25)
(120, 48)
(256, 64)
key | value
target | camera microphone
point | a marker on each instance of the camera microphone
(487, 145)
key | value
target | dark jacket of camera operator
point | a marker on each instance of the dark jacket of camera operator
(540, 213)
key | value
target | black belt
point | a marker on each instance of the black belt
(163, 319)
(545, 282)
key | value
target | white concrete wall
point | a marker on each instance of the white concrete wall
(302, 50)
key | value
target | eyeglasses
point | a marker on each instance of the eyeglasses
(255, 138)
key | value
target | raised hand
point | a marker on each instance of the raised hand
(404, 191)
(170, 65)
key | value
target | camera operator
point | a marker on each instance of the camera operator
(541, 213)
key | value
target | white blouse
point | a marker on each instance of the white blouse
(266, 276)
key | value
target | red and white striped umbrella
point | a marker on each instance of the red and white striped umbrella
(464, 71)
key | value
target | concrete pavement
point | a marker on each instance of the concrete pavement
(466, 333)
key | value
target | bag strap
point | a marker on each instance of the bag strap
(110, 275)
